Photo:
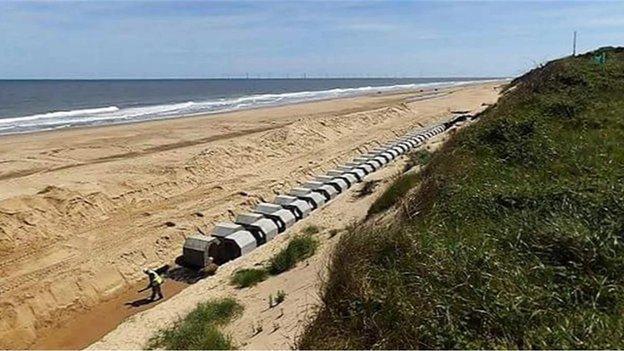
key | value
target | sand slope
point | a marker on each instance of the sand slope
(83, 211)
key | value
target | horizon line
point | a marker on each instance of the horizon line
(252, 78)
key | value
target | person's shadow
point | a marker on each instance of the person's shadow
(139, 302)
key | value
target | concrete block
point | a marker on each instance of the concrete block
(358, 172)
(384, 152)
(326, 190)
(386, 156)
(393, 153)
(298, 207)
(382, 161)
(413, 143)
(396, 151)
(313, 198)
(364, 164)
(348, 177)
(340, 184)
(237, 244)
(403, 146)
(366, 168)
(258, 225)
(281, 216)
(223, 229)
(196, 250)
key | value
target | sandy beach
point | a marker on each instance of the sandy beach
(83, 211)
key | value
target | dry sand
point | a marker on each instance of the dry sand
(83, 211)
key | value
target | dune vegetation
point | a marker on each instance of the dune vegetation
(513, 237)
(298, 249)
(200, 329)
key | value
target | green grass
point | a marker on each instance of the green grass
(514, 238)
(247, 277)
(394, 193)
(199, 330)
(298, 249)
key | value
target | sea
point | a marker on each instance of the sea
(38, 105)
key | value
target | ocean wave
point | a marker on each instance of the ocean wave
(116, 115)
(60, 114)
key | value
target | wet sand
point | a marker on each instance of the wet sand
(86, 328)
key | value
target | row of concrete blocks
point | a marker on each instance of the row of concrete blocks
(249, 230)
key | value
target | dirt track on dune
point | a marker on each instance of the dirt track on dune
(83, 212)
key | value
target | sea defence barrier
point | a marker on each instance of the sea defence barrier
(229, 241)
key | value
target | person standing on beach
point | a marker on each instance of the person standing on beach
(155, 282)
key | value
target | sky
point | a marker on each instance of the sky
(204, 39)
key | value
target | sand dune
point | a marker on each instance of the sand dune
(83, 211)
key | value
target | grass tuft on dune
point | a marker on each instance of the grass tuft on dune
(247, 277)
(199, 330)
(298, 249)
(514, 238)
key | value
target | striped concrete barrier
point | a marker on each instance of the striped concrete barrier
(250, 230)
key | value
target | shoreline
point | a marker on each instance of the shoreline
(198, 117)
(426, 87)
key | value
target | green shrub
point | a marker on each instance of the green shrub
(199, 329)
(248, 277)
(298, 249)
(514, 237)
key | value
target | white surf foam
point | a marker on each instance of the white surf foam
(61, 114)
(115, 115)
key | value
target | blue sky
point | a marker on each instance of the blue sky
(195, 39)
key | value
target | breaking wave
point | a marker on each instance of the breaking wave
(115, 115)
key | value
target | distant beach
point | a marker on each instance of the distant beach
(38, 105)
